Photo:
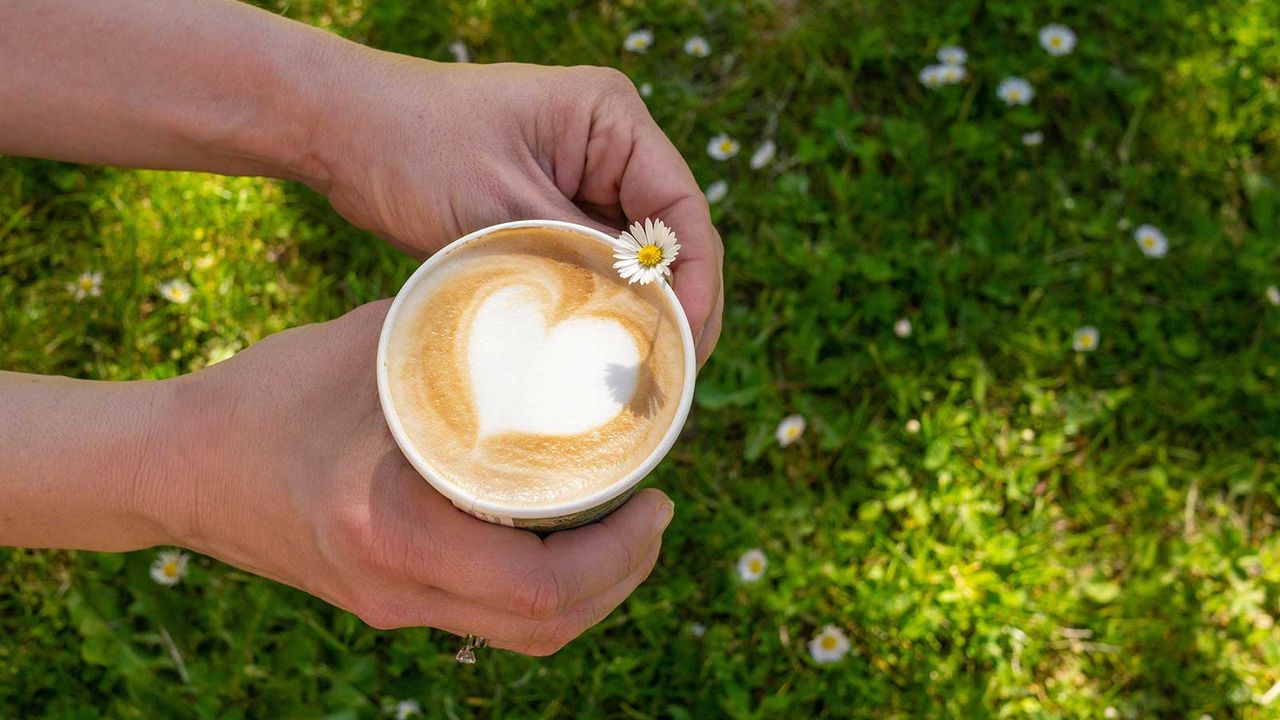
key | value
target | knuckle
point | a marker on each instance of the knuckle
(378, 616)
(541, 596)
(612, 79)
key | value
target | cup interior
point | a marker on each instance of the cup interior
(488, 508)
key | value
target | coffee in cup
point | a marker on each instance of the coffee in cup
(527, 381)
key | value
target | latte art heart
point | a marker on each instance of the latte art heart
(526, 372)
(529, 378)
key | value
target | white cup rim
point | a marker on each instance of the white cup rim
(476, 505)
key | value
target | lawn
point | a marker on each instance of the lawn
(1002, 525)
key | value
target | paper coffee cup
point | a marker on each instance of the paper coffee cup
(547, 517)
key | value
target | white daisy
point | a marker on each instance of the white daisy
(931, 76)
(406, 709)
(1151, 240)
(638, 41)
(952, 55)
(789, 430)
(1110, 713)
(646, 89)
(1033, 138)
(1015, 91)
(722, 147)
(1085, 339)
(644, 253)
(697, 629)
(1057, 39)
(697, 46)
(902, 328)
(716, 191)
(1028, 435)
(1123, 224)
(952, 73)
(829, 645)
(176, 291)
(913, 426)
(1273, 295)
(459, 51)
(169, 567)
(751, 565)
(88, 284)
(763, 154)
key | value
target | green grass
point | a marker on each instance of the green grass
(1067, 532)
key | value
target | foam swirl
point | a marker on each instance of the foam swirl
(525, 371)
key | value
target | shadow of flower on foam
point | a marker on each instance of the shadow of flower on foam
(635, 388)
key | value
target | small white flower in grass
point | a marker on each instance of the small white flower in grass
(763, 154)
(646, 89)
(459, 51)
(722, 147)
(1110, 713)
(931, 76)
(644, 253)
(1273, 295)
(697, 46)
(1123, 224)
(1057, 39)
(716, 191)
(913, 426)
(952, 55)
(169, 567)
(638, 41)
(176, 291)
(697, 629)
(1028, 435)
(829, 645)
(1085, 339)
(88, 284)
(902, 328)
(406, 709)
(1151, 240)
(952, 74)
(789, 430)
(751, 565)
(1015, 91)
(1033, 138)
(1069, 203)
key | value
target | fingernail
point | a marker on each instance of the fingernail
(663, 518)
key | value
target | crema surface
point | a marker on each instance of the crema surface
(525, 371)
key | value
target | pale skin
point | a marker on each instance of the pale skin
(278, 460)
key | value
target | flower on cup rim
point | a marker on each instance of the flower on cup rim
(644, 253)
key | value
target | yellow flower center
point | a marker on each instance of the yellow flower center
(1086, 341)
(726, 146)
(1014, 95)
(171, 569)
(792, 432)
(755, 566)
(1055, 41)
(1148, 242)
(828, 642)
(86, 282)
(649, 255)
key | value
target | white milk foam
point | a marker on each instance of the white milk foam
(527, 378)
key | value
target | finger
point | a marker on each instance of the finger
(514, 571)
(433, 607)
(711, 334)
(632, 164)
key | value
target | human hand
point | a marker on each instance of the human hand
(424, 153)
(290, 473)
